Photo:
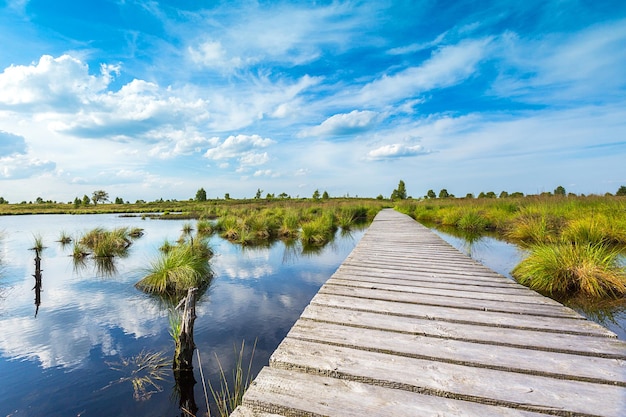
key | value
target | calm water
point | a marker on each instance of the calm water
(68, 359)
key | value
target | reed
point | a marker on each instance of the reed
(589, 269)
(229, 394)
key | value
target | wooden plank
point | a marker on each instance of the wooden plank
(551, 342)
(486, 299)
(472, 291)
(433, 274)
(456, 315)
(487, 386)
(555, 364)
(458, 299)
(293, 393)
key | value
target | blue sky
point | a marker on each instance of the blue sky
(155, 99)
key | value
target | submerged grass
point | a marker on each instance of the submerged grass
(146, 371)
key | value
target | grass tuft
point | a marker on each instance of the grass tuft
(587, 269)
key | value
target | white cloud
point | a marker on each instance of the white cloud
(447, 66)
(563, 67)
(23, 166)
(395, 150)
(61, 84)
(344, 124)
(266, 173)
(238, 146)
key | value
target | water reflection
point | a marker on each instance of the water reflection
(37, 286)
(89, 322)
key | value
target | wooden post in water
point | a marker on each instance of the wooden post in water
(183, 354)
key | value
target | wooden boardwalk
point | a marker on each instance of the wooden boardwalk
(409, 326)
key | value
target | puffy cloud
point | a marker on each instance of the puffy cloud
(240, 146)
(61, 84)
(395, 150)
(344, 124)
(11, 144)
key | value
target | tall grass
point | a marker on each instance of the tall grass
(184, 266)
(229, 394)
(564, 268)
(107, 243)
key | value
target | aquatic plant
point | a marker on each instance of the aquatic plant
(37, 244)
(568, 269)
(472, 221)
(146, 371)
(229, 394)
(104, 243)
(319, 230)
(205, 227)
(64, 238)
(184, 266)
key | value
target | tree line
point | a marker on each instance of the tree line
(399, 193)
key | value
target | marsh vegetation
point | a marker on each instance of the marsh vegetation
(574, 245)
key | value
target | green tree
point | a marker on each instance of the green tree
(257, 196)
(431, 194)
(325, 196)
(3, 201)
(490, 194)
(119, 200)
(86, 200)
(201, 195)
(469, 195)
(99, 196)
(503, 194)
(316, 195)
(560, 191)
(77, 202)
(621, 192)
(443, 193)
(39, 200)
(283, 195)
(227, 196)
(400, 192)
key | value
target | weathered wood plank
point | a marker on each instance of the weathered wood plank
(547, 341)
(555, 364)
(456, 315)
(293, 393)
(468, 291)
(527, 392)
(505, 304)
(432, 274)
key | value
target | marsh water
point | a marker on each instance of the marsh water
(71, 346)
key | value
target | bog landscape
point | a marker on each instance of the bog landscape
(95, 297)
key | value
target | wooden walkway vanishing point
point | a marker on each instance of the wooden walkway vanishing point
(409, 326)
